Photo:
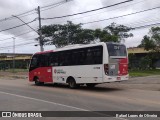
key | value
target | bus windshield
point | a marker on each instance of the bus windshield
(116, 50)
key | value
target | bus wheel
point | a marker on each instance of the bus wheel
(37, 82)
(91, 85)
(72, 83)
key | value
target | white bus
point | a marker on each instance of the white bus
(75, 65)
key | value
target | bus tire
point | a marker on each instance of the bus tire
(91, 85)
(72, 83)
(37, 82)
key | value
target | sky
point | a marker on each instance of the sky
(26, 43)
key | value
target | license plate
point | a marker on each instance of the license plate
(118, 78)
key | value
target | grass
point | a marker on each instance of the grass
(143, 73)
(16, 70)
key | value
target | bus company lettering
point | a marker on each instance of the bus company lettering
(96, 67)
(59, 71)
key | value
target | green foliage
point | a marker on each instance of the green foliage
(133, 62)
(104, 36)
(113, 32)
(62, 35)
(145, 63)
(147, 43)
(152, 41)
(141, 63)
(19, 64)
(143, 73)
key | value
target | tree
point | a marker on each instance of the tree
(152, 41)
(114, 33)
(67, 34)
(147, 43)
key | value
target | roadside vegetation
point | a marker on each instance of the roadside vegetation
(15, 70)
(143, 73)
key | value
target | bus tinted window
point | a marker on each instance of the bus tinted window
(61, 59)
(34, 61)
(53, 60)
(40, 60)
(43, 60)
(68, 58)
(83, 56)
(94, 55)
(78, 57)
(116, 50)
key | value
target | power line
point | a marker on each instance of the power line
(88, 10)
(103, 11)
(138, 27)
(30, 12)
(50, 5)
(19, 40)
(17, 26)
(145, 26)
(9, 18)
(25, 23)
(27, 14)
(17, 35)
(143, 21)
(121, 16)
(7, 47)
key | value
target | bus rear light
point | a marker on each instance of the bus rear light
(106, 69)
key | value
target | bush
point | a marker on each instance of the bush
(145, 63)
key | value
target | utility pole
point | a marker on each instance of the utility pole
(13, 53)
(40, 30)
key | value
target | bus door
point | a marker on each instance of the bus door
(45, 70)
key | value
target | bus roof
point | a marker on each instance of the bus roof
(76, 46)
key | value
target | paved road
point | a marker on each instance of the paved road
(138, 94)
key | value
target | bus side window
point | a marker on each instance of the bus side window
(94, 55)
(53, 60)
(74, 58)
(68, 58)
(89, 56)
(42, 60)
(51, 63)
(46, 60)
(34, 62)
(98, 55)
(61, 59)
(81, 57)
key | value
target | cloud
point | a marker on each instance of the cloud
(14, 7)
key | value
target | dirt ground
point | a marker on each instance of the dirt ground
(13, 75)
